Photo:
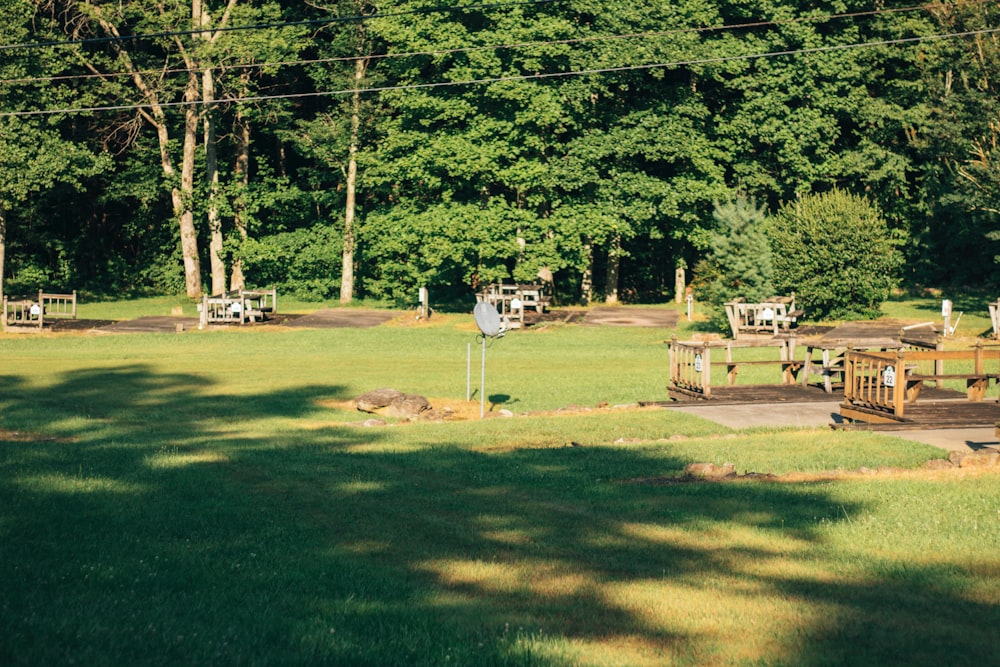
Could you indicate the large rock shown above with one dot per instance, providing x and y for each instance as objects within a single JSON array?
[
  {"x": 710, "y": 470},
  {"x": 375, "y": 400},
  {"x": 407, "y": 406},
  {"x": 392, "y": 403}
]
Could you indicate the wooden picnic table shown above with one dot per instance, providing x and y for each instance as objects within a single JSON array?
[
  {"x": 861, "y": 336},
  {"x": 511, "y": 300},
  {"x": 239, "y": 306},
  {"x": 774, "y": 314},
  {"x": 830, "y": 365}
]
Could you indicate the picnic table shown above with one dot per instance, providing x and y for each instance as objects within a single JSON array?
[
  {"x": 825, "y": 356},
  {"x": 238, "y": 306},
  {"x": 830, "y": 363},
  {"x": 511, "y": 300},
  {"x": 774, "y": 314}
]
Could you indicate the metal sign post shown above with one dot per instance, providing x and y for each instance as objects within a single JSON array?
[{"x": 488, "y": 321}]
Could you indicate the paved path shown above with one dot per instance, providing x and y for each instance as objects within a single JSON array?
[
  {"x": 823, "y": 414},
  {"x": 632, "y": 317},
  {"x": 343, "y": 317}
]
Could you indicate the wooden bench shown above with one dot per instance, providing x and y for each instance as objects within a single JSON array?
[{"x": 976, "y": 384}]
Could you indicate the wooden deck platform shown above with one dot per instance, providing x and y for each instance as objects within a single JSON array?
[
  {"x": 936, "y": 409},
  {"x": 758, "y": 393},
  {"x": 928, "y": 415}
]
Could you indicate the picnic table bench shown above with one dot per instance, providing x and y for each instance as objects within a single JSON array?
[
  {"x": 238, "y": 306},
  {"x": 774, "y": 314},
  {"x": 511, "y": 300},
  {"x": 831, "y": 348}
]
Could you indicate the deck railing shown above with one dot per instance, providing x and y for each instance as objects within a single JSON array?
[
  {"x": 881, "y": 384},
  {"x": 691, "y": 363},
  {"x": 690, "y": 367},
  {"x": 30, "y": 312}
]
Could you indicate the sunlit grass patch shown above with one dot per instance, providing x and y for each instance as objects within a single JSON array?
[
  {"x": 180, "y": 459},
  {"x": 77, "y": 484}
]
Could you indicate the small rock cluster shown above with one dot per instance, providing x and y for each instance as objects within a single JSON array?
[
  {"x": 709, "y": 472},
  {"x": 982, "y": 458}
]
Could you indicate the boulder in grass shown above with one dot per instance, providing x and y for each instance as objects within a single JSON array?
[
  {"x": 392, "y": 403},
  {"x": 710, "y": 470},
  {"x": 407, "y": 406},
  {"x": 373, "y": 401}
]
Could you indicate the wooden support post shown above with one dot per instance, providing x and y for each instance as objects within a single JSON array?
[
  {"x": 673, "y": 359},
  {"x": 706, "y": 369},
  {"x": 899, "y": 397}
]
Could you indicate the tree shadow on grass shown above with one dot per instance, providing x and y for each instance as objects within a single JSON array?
[{"x": 165, "y": 532}]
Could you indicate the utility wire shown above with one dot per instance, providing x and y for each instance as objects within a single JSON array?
[
  {"x": 268, "y": 26},
  {"x": 523, "y": 77},
  {"x": 470, "y": 49}
]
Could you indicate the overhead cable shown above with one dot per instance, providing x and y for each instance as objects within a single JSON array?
[{"x": 520, "y": 77}]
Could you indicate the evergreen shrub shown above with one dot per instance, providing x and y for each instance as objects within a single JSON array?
[
  {"x": 738, "y": 260},
  {"x": 836, "y": 251}
]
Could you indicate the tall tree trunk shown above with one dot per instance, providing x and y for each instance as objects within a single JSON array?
[
  {"x": 189, "y": 235},
  {"x": 3, "y": 246},
  {"x": 180, "y": 198},
  {"x": 241, "y": 171},
  {"x": 614, "y": 263},
  {"x": 212, "y": 180},
  {"x": 587, "y": 280},
  {"x": 347, "y": 259}
]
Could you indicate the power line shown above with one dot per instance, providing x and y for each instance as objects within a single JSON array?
[
  {"x": 269, "y": 26},
  {"x": 523, "y": 77},
  {"x": 470, "y": 49}
]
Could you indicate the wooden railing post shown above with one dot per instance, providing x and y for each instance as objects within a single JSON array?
[
  {"x": 850, "y": 391},
  {"x": 899, "y": 397},
  {"x": 673, "y": 359},
  {"x": 706, "y": 370}
]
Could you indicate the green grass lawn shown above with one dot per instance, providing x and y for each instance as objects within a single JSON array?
[{"x": 208, "y": 498}]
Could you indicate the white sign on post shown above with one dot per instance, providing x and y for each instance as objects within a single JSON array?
[{"x": 946, "y": 308}]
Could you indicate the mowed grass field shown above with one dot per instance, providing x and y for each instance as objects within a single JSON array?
[{"x": 212, "y": 498}]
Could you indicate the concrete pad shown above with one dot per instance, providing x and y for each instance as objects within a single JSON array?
[
  {"x": 746, "y": 415},
  {"x": 151, "y": 324},
  {"x": 343, "y": 317},
  {"x": 824, "y": 414},
  {"x": 624, "y": 316},
  {"x": 951, "y": 439}
]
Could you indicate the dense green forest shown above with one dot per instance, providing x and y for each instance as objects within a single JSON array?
[{"x": 365, "y": 149}]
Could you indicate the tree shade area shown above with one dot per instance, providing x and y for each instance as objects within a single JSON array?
[{"x": 367, "y": 149}]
